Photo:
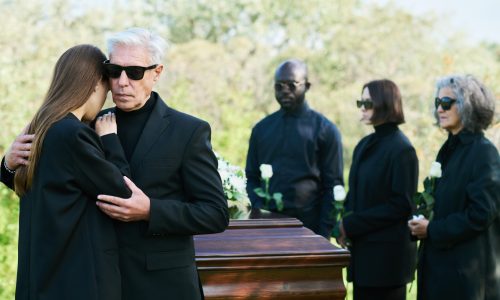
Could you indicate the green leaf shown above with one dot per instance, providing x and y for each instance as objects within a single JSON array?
[
  {"x": 278, "y": 196},
  {"x": 260, "y": 192},
  {"x": 279, "y": 202},
  {"x": 429, "y": 199},
  {"x": 418, "y": 199}
]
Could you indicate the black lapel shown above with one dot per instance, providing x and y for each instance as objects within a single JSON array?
[{"x": 157, "y": 122}]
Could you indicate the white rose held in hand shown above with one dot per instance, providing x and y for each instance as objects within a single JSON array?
[
  {"x": 339, "y": 193},
  {"x": 424, "y": 201},
  {"x": 435, "y": 170},
  {"x": 266, "y": 171},
  {"x": 338, "y": 212}
]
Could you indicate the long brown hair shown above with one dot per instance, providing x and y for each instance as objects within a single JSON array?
[{"x": 76, "y": 74}]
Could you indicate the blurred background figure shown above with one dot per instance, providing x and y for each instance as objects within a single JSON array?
[{"x": 304, "y": 149}]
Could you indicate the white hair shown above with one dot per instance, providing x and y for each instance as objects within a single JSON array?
[{"x": 152, "y": 42}]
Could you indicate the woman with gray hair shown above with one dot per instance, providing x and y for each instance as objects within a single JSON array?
[{"x": 460, "y": 246}]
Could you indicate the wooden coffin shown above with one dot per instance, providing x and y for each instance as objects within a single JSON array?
[{"x": 270, "y": 259}]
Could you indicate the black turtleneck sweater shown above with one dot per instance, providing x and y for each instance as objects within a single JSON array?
[{"x": 130, "y": 125}]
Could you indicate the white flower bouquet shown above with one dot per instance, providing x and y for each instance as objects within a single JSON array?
[{"x": 234, "y": 184}]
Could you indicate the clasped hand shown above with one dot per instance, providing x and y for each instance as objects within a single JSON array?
[
  {"x": 135, "y": 208},
  {"x": 418, "y": 227},
  {"x": 106, "y": 124}
]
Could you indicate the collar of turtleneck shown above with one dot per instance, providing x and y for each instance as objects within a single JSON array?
[{"x": 385, "y": 129}]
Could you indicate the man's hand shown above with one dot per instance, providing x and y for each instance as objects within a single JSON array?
[
  {"x": 18, "y": 153},
  {"x": 106, "y": 124},
  {"x": 135, "y": 208},
  {"x": 418, "y": 227}
]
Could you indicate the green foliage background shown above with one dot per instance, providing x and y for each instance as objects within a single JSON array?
[{"x": 221, "y": 63}]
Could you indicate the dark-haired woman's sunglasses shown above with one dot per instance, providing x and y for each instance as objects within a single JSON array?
[
  {"x": 133, "y": 72},
  {"x": 445, "y": 102},
  {"x": 368, "y": 104}
]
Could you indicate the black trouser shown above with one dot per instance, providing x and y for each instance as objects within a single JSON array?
[{"x": 380, "y": 293}]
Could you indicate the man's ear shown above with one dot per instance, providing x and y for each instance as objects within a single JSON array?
[
  {"x": 158, "y": 71},
  {"x": 308, "y": 85}
]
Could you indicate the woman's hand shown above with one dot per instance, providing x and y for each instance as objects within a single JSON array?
[
  {"x": 106, "y": 124},
  {"x": 418, "y": 227}
]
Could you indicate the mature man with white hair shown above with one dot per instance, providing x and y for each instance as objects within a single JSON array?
[{"x": 177, "y": 191}]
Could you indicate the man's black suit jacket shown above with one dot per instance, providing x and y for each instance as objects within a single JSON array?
[{"x": 174, "y": 165}]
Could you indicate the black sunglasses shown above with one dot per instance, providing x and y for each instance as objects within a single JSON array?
[
  {"x": 133, "y": 72},
  {"x": 445, "y": 102},
  {"x": 368, "y": 104},
  {"x": 291, "y": 85}
]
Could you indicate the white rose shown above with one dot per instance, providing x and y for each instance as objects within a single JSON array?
[
  {"x": 266, "y": 171},
  {"x": 435, "y": 170},
  {"x": 339, "y": 193}
]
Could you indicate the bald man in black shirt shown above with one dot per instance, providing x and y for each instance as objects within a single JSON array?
[{"x": 304, "y": 149}]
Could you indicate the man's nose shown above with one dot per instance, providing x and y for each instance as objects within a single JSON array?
[{"x": 123, "y": 79}]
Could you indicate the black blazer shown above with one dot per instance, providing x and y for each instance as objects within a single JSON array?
[
  {"x": 173, "y": 163},
  {"x": 462, "y": 249},
  {"x": 67, "y": 247},
  {"x": 382, "y": 181}
]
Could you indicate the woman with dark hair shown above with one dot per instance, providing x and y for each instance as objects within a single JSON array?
[
  {"x": 67, "y": 246},
  {"x": 460, "y": 246},
  {"x": 382, "y": 181}
]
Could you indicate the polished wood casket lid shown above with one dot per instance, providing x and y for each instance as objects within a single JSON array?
[{"x": 269, "y": 259}]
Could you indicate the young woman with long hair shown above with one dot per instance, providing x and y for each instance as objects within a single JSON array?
[{"x": 67, "y": 246}]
